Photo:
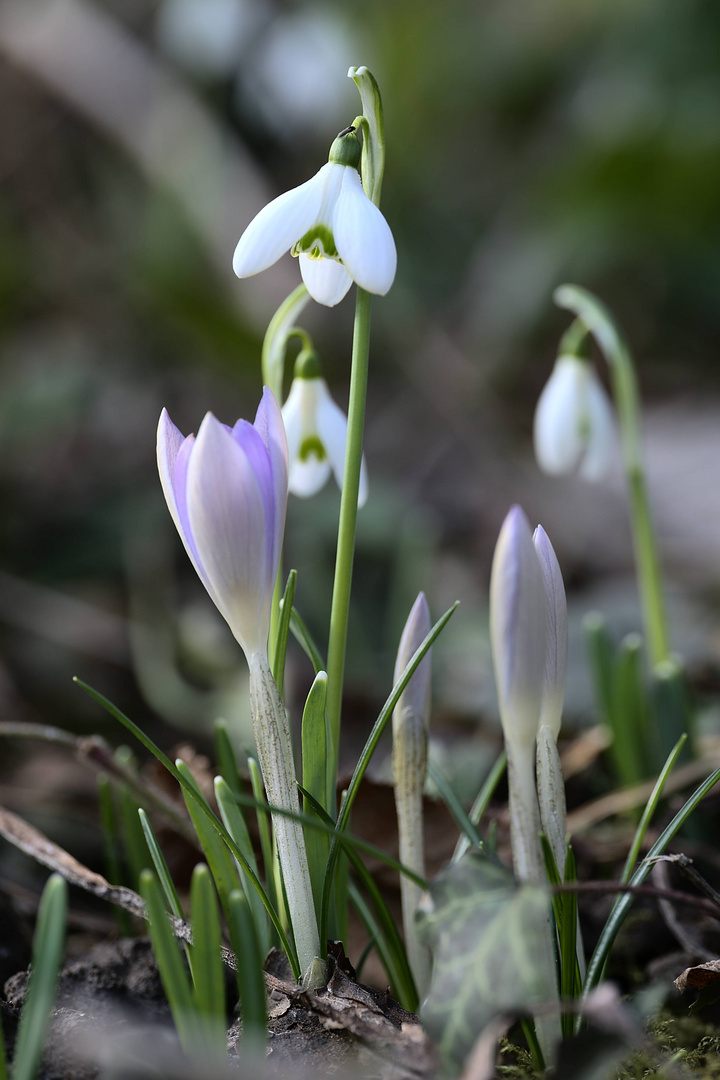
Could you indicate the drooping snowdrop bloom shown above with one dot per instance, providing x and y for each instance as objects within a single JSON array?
[
  {"x": 574, "y": 427},
  {"x": 316, "y": 431},
  {"x": 227, "y": 493},
  {"x": 329, "y": 221}
]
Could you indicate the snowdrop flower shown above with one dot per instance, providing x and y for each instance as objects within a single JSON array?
[
  {"x": 316, "y": 431},
  {"x": 574, "y": 427},
  {"x": 227, "y": 493},
  {"x": 329, "y": 221}
]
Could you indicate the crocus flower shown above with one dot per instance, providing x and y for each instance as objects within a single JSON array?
[
  {"x": 574, "y": 428},
  {"x": 316, "y": 431},
  {"x": 329, "y": 221},
  {"x": 227, "y": 493}
]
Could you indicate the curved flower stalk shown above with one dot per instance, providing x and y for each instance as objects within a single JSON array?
[
  {"x": 411, "y": 718},
  {"x": 227, "y": 493},
  {"x": 329, "y": 221},
  {"x": 316, "y": 431},
  {"x": 574, "y": 428}
]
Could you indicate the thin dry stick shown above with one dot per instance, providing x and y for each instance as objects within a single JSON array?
[
  {"x": 31, "y": 841},
  {"x": 673, "y": 895}
]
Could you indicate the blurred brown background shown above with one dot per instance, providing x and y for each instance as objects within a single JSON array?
[{"x": 528, "y": 144}]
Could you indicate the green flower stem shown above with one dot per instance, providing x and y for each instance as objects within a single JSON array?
[
  {"x": 348, "y": 520},
  {"x": 598, "y": 320},
  {"x": 272, "y": 736}
]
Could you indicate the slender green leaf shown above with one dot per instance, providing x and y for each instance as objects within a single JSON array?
[
  {"x": 134, "y": 846},
  {"x": 367, "y": 753},
  {"x": 388, "y": 940},
  {"x": 216, "y": 851},
  {"x": 263, "y": 824},
  {"x": 173, "y": 975},
  {"x": 283, "y": 629},
  {"x": 251, "y": 982},
  {"x": 619, "y": 912},
  {"x": 161, "y": 867},
  {"x": 207, "y": 965},
  {"x": 202, "y": 805},
  {"x": 482, "y": 802},
  {"x": 235, "y": 825},
  {"x": 629, "y": 713},
  {"x": 48, "y": 942},
  {"x": 225, "y": 757},
  {"x": 672, "y": 708},
  {"x": 112, "y": 848},
  {"x": 454, "y": 805},
  {"x": 315, "y": 752},
  {"x": 304, "y": 638},
  {"x": 650, "y": 808}
]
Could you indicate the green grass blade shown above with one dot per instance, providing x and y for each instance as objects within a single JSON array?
[
  {"x": 629, "y": 713},
  {"x": 48, "y": 942},
  {"x": 216, "y": 851},
  {"x": 570, "y": 982},
  {"x": 650, "y": 808},
  {"x": 617, "y": 915},
  {"x": 225, "y": 757},
  {"x": 112, "y": 848},
  {"x": 386, "y": 935},
  {"x": 207, "y": 965},
  {"x": 263, "y": 824},
  {"x": 279, "y": 651},
  {"x": 161, "y": 867},
  {"x": 482, "y": 802},
  {"x": 204, "y": 809},
  {"x": 251, "y": 982},
  {"x": 173, "y": 975},
  {"x": 367, "y": 753},
  {"x": 381, "y": 946},
  {"x": 672, "y": 707},
  {"x": 315, "y": 754},
  {"x": 304, "y": 638},
  {"x": 235, "y": 824},
  {"x": 454, "y": 805}
]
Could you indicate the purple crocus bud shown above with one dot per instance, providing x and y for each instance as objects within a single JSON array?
[
  {"x": 227, "y": 493},
  {"x": 556, "y": 636}
]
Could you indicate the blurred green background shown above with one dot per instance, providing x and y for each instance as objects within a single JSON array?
[{"x": 528, "y": 144}]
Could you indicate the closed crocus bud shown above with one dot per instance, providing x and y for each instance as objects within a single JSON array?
[
  {"x": 331, "y": 224},
  {"x": 410, "y": 736},
  {"x": 517, "y": 629},
  {"x": 227, "y": 493},
  {"x": 556, "y": 636},
  {"x": 517, "y": 635},
  {"x": 574, "y": 428},
  {"x": 316, "y": 431}
]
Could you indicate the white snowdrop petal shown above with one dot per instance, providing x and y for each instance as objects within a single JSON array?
[
  {"x": 278, "y": 226},
  {"x": 601, "y": 443},
  {"x": 363, "y": 237},
  {"x": 557, "y": 427},
  {"x": 332, "y": 428},
  {"x": 292, "y": 418},
  {"x": 327, "y": 280},
  {"x": 309, "y": 476}
]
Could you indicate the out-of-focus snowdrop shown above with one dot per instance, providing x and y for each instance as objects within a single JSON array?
[
  {"x": 574, "y": 429},
  {"x": 207, "y": 36},
  {"x": 316, "y": 430}
]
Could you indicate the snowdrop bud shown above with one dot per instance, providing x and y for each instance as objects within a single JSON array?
[
  {"x": 410, "y": 735},
  {"x": 316, "y": 430},
  {"x": 556, "y": 633},
  {"x": 517, "y": 629},
  {"x": 574, "y": 427}
]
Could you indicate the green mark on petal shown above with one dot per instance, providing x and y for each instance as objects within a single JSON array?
[
  {"x": 312, "y": 447},
  {"x": 318, "y": 242}
]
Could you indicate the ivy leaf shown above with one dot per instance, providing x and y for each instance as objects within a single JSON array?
[{"x": 487, "y": 935}]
